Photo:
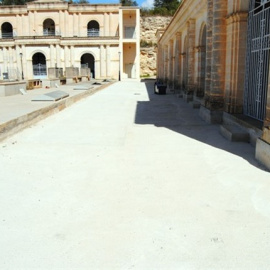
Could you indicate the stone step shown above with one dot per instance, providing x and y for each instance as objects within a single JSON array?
[{"x": 234, "y": 133}]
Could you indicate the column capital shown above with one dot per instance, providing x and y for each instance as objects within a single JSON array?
[{"x": 237, "y": 17}]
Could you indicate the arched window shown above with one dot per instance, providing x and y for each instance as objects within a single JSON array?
[
  {"x": 93, "y": 29},
  {"x": 7, "y": 30},
  {"x": 39, "y": 65},
  {"x": 48, "y": 27}
]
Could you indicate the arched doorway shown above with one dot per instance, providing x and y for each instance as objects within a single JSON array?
[
  {"x": 202, "y": 62},
  {"x": 48, "y": 27},
  {"x": 93, "y": 29},
  {"x": 39, "y": 65},
  {"x": 7, "y": 30},
  {"x": 88, "y": 60}
]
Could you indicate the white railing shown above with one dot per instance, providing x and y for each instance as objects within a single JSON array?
[{"x": 93, "y": 32}]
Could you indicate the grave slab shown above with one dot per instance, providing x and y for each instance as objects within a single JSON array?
[{"x": 52, "y": 96}]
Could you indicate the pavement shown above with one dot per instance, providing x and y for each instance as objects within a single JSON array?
[
  {"x": 126, "y": 179},
  {"x": 19, "y": 111}
]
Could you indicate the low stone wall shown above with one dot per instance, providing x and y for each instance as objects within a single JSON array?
[{"x": 11, "y": 88}]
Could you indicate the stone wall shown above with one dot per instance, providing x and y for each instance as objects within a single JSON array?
[{"x": 149, "y": 26}]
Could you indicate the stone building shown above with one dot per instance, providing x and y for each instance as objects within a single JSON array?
[
  {"x": 216, "y": 53},
  {"x": 54, "y": 34}
]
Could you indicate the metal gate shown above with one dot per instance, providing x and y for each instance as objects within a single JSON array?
[
  {"x": 39, "y": 70},
  {"x": 257, "y": 61}
]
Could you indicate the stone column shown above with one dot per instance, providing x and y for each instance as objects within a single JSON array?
[
  {"x": 102, "y": 61},
  {"x": 209, "y": 38},
  {"x": 67, "y": 64},
  {"x": 51, "y": 56},
  {"x": 110, "y": 25},
  {"x": 235, "y": 59},
  {"x": 58, "y": 56},
  {"x": 79, "y": 23},
  {"x": 106, "y": 25},
  {"x": 191, "y": 56},
  {"x": 170, "y": 64},
  {"x": 165, "y": 61},
  {"x": 5, "y": 56},
  {"x": 27, "y": 73},
  {"x": 213, "y": 107},
  {"x": 72, "y": 62},
  {"x": 108, "y": 61},
  {"x": 75, "y": 24},
  {"x": 179, "y": 58},
  {"x": 216, "y": 101}
]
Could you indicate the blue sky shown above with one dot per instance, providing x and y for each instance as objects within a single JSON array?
[{"x": 143, "y": 3}]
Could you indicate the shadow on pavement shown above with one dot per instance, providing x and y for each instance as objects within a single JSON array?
[{"x": 174, "y": 113}]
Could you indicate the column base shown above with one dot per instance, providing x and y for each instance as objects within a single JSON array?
[
  {"x": 188, "y": 97},
  {"x": 210, "y": 117},
  {"x": 262, "y": 153}
]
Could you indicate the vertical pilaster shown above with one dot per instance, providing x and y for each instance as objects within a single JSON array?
[
  {"x": 51, "y": 55},
  {"x": 5, "y": 56},
  {"x": 72, "y": 62},
  {"x": 235, "y": 61},
  {"x": 191, "y": 56},
  {"x": 179, "y": 58},
  {"x": 102, "y": 61},
  {"x": 216, "y": 101},
  {"x": 25, "y": 66},
  {"x": 209, "y": 38},
  {"x": 75, "y": 24},
  {"x": 170, "y": 59},
  {"x": 67, "y": 57},
  {"x": 58, "y": 55},
  {"x": 79, "y": 23},
  {"x": 110, "y": 24},
  {"x": 108, "y": 61}
]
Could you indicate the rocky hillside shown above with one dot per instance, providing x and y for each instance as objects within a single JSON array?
[{"x": 149, "y": 26}]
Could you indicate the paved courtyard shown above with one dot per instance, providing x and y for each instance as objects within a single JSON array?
[{"x": 125, "y": 179}]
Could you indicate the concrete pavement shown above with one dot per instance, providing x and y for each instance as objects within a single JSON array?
[
  {"x": 126, "y": 179},
  {"x": 19, "y": 111}
]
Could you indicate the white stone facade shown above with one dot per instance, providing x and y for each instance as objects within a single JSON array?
[{"x": 47, "y": 34}]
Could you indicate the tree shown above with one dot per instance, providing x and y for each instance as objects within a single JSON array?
[
  {"x": 166, "y": 7},
  {"x": 14, "y": 2},
  {"x": 128, "y": 3}
]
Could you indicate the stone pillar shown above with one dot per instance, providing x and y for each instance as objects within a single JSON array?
[
  {"x": 27, "y": 73},
  {"x": 102, "y": 61},
  {"x": 79, "y": 23},
  {"x": 75, "y": 24},
  {"x": 165, "y": 61},
  {"x": 110, "y": 25},
  {"x": 58, "y": 56},
  {"x": 51, "y": 56},
  {"x": 191, "y": 56},
  {"x": 216, "y": 101},
  {"x": 170, "y": 64},
  {"x": 235, "y": 59},
  {"x": 108, "y": 61},
  {"x": 179, "y": 58},
  {"x": 67, "y": 63},
  {"x": 212, "y": 110},
  {"x": 5, "y": 58},
  {"x": 209, "y": 38},
  {"x": 72, "y": 62}
]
